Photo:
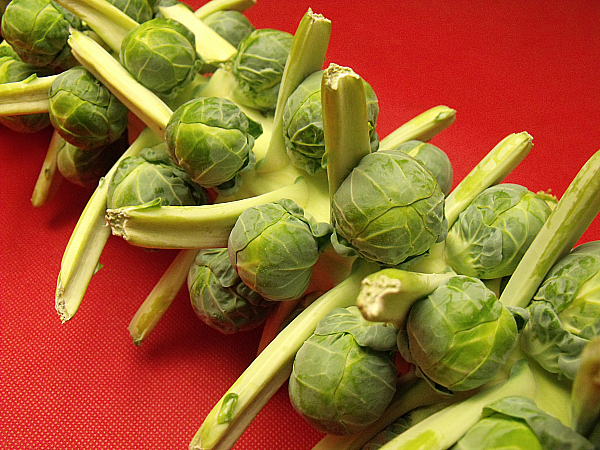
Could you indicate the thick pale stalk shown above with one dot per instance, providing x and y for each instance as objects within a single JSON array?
[
  {"x": 85, "y": 246},
  {"x": 25, "y": 97},
  {"x": 107, "y": 21},
  {"x": 585, "y": 398},
  {"x": 565, "y": 225},
  {"x": 139, "y": 100},
  {"x": 345, "y": 123},
  {"x": 161, "y": 296},
  {"x": 47, "y": 183},
  {"x": 307, "y": 55},
  {"x": 272, "y": 367},
  {"x": 223, "y": 5},
  {"x": 422, "y": 128},
  {"x": 207, "y": 226}
]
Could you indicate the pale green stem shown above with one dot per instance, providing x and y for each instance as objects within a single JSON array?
[
  {"x": 161, "y": 296},
  {"x": 565, "y": 225},
  {"x": 223, "y": 5},
  {"x": 585, "y": 398},
  {"x": 47, "y": 183},
  {"x": 272, "y": 367},
  {"x": 27, "y": 96},
  {"x": 307, "y": 55},
  {"x": 421, "y": 128},
  {"x": 139, "y": 100},
  {"x": 81, "y": 257},
  {"x": 345, "y": 123}
]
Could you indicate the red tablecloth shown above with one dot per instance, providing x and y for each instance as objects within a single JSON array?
[{"x": 506, "y": 67}]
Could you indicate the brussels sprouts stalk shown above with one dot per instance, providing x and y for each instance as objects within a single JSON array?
[
  {"x": 161, "y": 296},
  {"x": 422, "y": 128},
  {"x": 223, "y": 5},
  {"x": 47, "y": 183},
  {"x": 567, "y": 222},
  {"x": 272, "y": 366},
  {"x": 27, "y": 96},
  {"x": 81, "y": 256},
  {"x": 307, "y": 55},
  {"x": 585, "y": 396}
]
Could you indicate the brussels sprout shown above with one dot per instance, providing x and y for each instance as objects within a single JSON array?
[
  {"x": 343, "y": 376},
  {"x": 460, "y": 335},
  {"x": 212, "y": 140},
  {"x": 434, "y": 159},
  {"x": 565, "y": 311},
  {"x": 220, "y": 298},
  {"x": 83, "y": 111},
  {"x": 38, "y": 31},
  {"x": 161, "y": 55},
  {"x": 233, "y": 26},
  {"x": 86, "y": 167},
  {"x": 492, "y": 234},
  {"x": 274, "y": 247},
  {"x": 303, "y": 123},
  {"x": 518, "y": 423},
  {"x": 389, "y": 209},
  {"x": 151, "y": 175},
  {"x": 258, "y": 68},
  {"x": 138, "y": 10}
]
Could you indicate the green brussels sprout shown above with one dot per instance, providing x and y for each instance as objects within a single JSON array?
[
  {"x": 273, "y": 247},
  {"x": 83, "y": 111},
  {"x": 565, "y": 311},
  {"x": 220, "y": 298},
  {"x": 390, "y": 209},
  {"x": 86, "y": 167},
  {"x": 434, "y": 159},
  {"x": 212, "y": 140},
  {"x": 459, "y": 336},
  {"x": 149, "y": 176},
  {"x": 343, "y": 376},
  {"x": 161, "y": 55},
  {"x": 518, "y": 423},
  {"x": 493, "y": 233},
  {"x": 303, "y": 123},
  {"x": 258, "y": 68},
  {"x": 38, "y": 31},
  {"x": 138, "y": 10},
  {"x": 233, "y": 26}
]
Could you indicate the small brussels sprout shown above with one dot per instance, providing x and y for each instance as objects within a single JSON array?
[
  {"x": 274, "y": 246},
  {"x": 459, "y": 336},
  {"x": 83, "y": 111},
  {"x": 138, "y": 10},
  {"x": 220, "y": 298},
  {"x": 161, "y": 55},
  {"x": 493, "y": 233},
  {"x": 233, "y": 26},
  {"x": 38, "y": 31},
  {"x": 434, "y": 159},
  {"x": 258, "y": 67},
  {"x": 303, "y": 123},
  {"x": 212, "y": 140},
  {"x": 151, "y": 175},
  {"x": 565, "y": 311},
  {"x": 390, "y": 209},
  {"x": 86, "y": 167},
  {"x": 343, "y": 376}
]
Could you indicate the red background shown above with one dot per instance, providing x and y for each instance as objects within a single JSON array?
[{"x": 505, "y": 66}]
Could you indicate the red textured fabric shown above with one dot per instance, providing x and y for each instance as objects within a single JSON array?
[{"x": 510, "y": 66}]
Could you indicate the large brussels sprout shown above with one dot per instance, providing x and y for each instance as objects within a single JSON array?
[
  {"x": 161, "y": 55},
  {"x": 493, "y": 233},
  {"x": 38, "y": 30},
  {"x": 274, "y": 247},
  {"x": 258, "y": 67},
  {"x": 459, "y": 336},
  {"x": 303, "y": 123},
  {"x": 233, "y": 26},
  {"x": 220, "y": 298},
  {"x": 343, "y": 376},
  {"x": 212, "y": 140},
  {"x": 565, "y": 311},
  {"x": 390, "y": 209},
  {"x": 434, "y": 159},
  {"x": 149, "y": 176},
  {"x": 83, "y": 111}
]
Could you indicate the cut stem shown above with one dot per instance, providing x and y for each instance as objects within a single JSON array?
[
  {"x": 47, "y": 184},
  {"x": 223, "y": 5},
  {"x": 26, "y": 97}
]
